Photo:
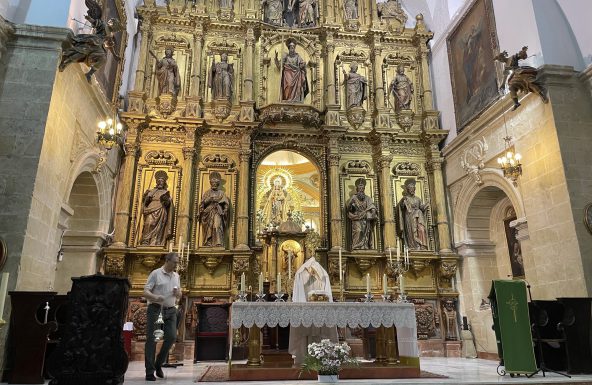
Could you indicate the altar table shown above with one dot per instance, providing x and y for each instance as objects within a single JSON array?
[{"x": 381, "y": 315}]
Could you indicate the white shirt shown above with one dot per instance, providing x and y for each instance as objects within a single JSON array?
[{"x": 162, "y": 283}]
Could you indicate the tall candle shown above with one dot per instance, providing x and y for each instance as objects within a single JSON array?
[
  {"x": 368, "y": 283},
  {"x": 182, "y": 247},
  {"x": 340, "y": 267},
  {"x": 384, "y": 283},
  {"x": 242, "y": 285},
  {"x": 260, "y": 282},
  {"x": 398, "y": 250},
  {"x": 3, "y": 288},
  {"x": 278, "y": 282},
  {"x": 289, "y": 265},
  {"x": 401, "y": 283},
  {"x": 170, "y": 246},
  {"x": 180, "y": 243},
  {"x": 390, "y": 255}
]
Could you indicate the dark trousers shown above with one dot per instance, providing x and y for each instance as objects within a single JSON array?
[{"x": 170, "y": 334}]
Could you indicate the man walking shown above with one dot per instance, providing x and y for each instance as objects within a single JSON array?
[{"x": 162, "y": 292}]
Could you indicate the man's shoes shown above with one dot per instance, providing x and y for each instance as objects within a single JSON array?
[
  {"x": 150, "y": 377},
  {"x": 159, "y": 372}
]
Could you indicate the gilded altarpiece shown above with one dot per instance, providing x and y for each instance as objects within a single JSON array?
[{"x": 244, "y": 92}]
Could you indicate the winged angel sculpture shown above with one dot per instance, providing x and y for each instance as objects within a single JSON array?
[{"x": 91, "y": 49}]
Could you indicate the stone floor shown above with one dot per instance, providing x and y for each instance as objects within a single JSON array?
[{"x": 459, "y": 371}]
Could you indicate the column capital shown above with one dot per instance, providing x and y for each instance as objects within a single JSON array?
[
  {"x": 188, "y": 153},
  {"x": 383, "y": 161},
  {"x": 434, "y": 164},
  {"x": 334, "y": 160},
  {"x": 131, "y": 150}
]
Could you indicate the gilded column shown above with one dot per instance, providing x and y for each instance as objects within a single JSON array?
[
  {"x": 422, "y": 35},
  {"x": 254, "y": 346},
  {"x": 196, "y": 69},
  {"x": 391, "y": 346},
  {"x": 335, "y": 214},
  {"x": 380, "y": 345},
  {"x": 248, "y": 67},
  {"x": 183, "y": 213},
  {"x": 382, "y": 161},
  {"x": 435, "y": 167},
  {"x": 126, "y": 186},
  {"x": 378, "y": 79},
  {"x": 242, "y": 209},
  {"x": 141, "y": 69},
  {"x": 383, "y": 165},
  {"x": 330, "y": 71},
  {"x": 193, "y": 108}
]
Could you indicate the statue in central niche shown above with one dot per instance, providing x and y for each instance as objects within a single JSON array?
[
  {"x": 221, "y": 78},
  {"x": 278, "y": 204},
  {"x": 294, "y": 84}
]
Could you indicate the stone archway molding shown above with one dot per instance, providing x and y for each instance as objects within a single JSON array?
[{"x": 491, "y": 178}]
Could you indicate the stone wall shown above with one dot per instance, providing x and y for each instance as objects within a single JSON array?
[
  {"x": 572, "y": 114},
  {"x": 548, "y": 198},
  {"x": 47, "y": 139}
]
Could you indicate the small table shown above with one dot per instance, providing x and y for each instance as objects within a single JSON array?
[{"x": 382, "y": 315}]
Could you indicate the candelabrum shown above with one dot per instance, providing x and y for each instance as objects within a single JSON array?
[
  {"x": 242, "y": 296},
  {"x": 279, "y": 296},
  {"x": 260, "y": 297},
  {"x": 290, "y": 285},
  {"x": 396, "y": 269}
]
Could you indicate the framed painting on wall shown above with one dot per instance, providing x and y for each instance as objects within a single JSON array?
[
  {"x": 472, "y": 44},
  {"x": 514, "y": 249}
]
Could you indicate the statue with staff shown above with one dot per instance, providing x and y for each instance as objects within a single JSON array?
[
  {"x": 167, "y": 73},
  {"x": 157, "y": 211}
]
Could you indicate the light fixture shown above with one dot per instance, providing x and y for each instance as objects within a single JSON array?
[
  {"x": 110, "y": 131},
  {"x": 510, "y": 161}
]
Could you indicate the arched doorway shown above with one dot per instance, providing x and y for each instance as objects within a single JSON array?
[
  {"x": 487, "y": 239},
  {"x": 81, "y": 236}
]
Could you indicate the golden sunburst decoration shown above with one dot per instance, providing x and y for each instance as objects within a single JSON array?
[{"x": 266, "y": 184}]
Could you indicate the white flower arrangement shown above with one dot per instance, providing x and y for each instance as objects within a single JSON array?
[{"x": 327, "y": 357}]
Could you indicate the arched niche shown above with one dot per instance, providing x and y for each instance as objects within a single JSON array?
[{"x": 288, "y": 187}]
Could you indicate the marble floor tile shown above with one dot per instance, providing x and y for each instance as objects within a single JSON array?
[{"x": 459, "y": 371}]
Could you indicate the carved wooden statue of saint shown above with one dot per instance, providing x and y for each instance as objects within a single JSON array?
[
  {"x": 294, "y": 84},
  {"x": 402, "y": 89},
  {"x": 362, "y": 213},
  {"x": 355, "y": 85},
  {"x": 167, "y": 74},
  {"x": 450, "y": 323},
  {"x": 351, "y": 9},
  {"x": 412, "y": 218},
  {"x": 221, "y": 78},
  {"x": 213, "y": 213},
  {"x": 273, "y": 11},
  {"x": 157, "y": 210}
]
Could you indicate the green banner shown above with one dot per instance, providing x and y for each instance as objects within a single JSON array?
[{"x": 512, "y": 326}]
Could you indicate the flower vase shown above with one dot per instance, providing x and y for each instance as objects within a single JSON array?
[{"x": 328, "y": 378}]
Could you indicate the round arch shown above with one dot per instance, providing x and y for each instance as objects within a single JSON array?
[
  {"x": 316, "y": 159},
  {"x": 490, "y": 178}
]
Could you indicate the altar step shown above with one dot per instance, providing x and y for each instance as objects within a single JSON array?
[{"x": 275, "y": 372}]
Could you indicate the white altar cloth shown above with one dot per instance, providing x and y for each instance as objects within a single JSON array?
[{"x": 340, "y": 314}]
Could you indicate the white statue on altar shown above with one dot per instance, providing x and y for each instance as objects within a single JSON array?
[{"x": 310, "y": 280}]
